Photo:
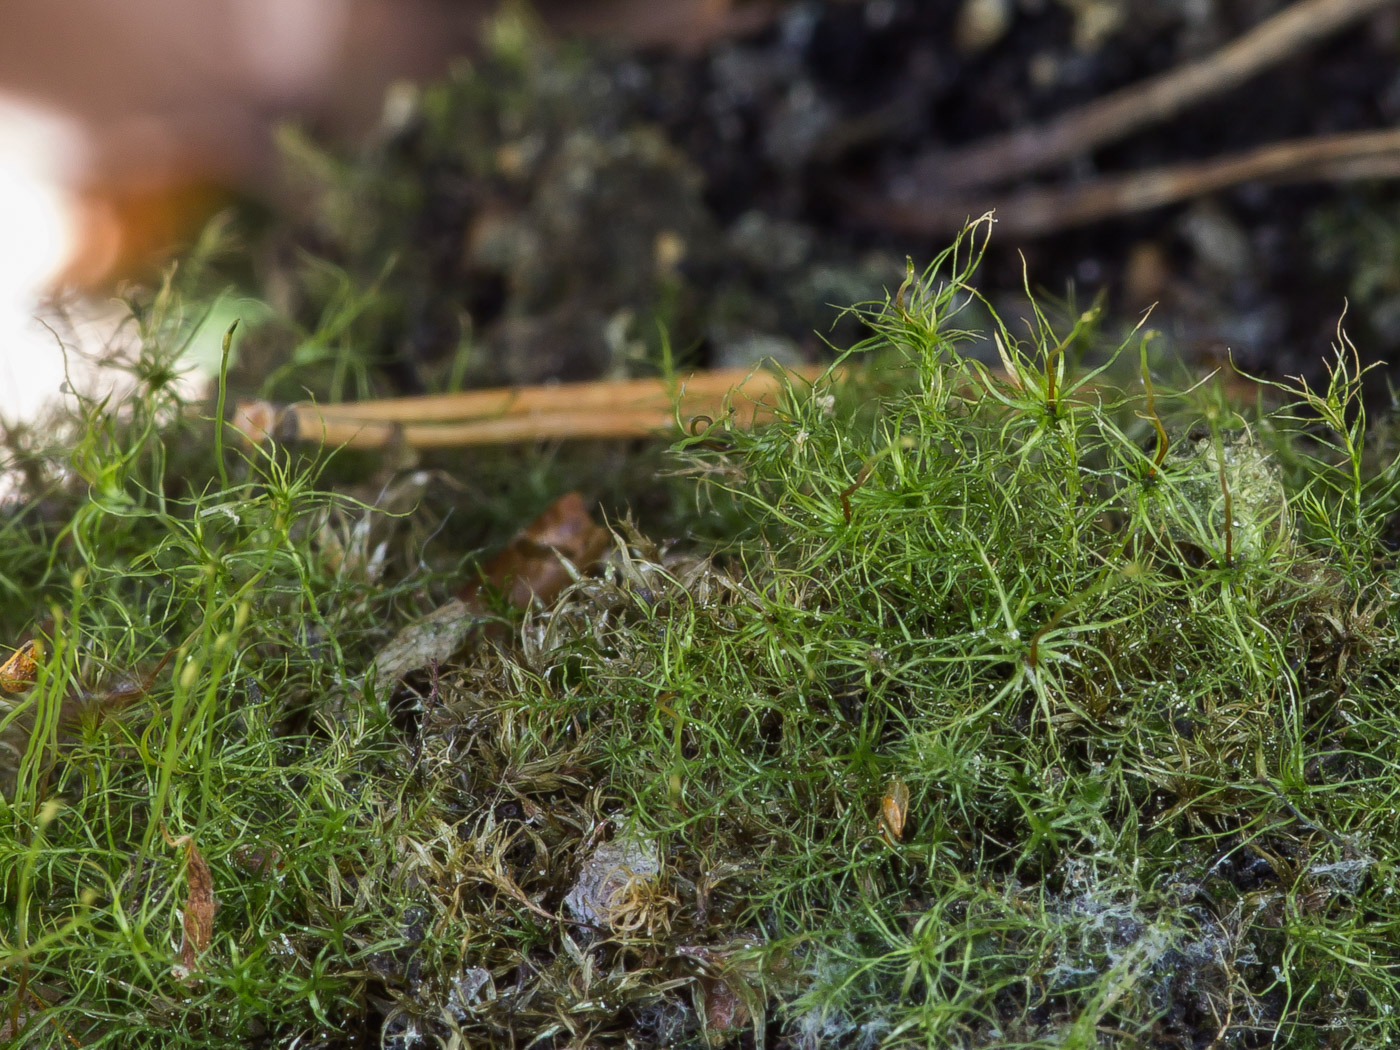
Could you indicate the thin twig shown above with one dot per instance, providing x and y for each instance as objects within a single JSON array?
[
  {"x": 1007, "y": 157},
  {"x": 1040, "y": 211},
  {"x": 628, "y": 408}
]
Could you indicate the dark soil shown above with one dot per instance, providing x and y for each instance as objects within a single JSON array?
[
  {"x": 1260, "y": 271},
  {"x": 558, "y": 210}
]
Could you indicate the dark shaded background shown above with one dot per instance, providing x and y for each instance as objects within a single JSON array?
[{"x": 728, "y": 141}]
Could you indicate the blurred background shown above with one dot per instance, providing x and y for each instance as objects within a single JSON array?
[{"x": 436, "y": 193}]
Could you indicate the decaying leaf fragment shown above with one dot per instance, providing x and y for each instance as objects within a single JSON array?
[
  {"x": 726, "y": 1011},
  {"x": 619, "y": 887},
  {"x": 534, "y": 565},
  {"x": 433, "y": 637},
  {"x": 538, "y": 564},
  {"x": 18, "y": 672},
  {"x": 729, "y": 987},
  {"x": 200, "y": 902},
  {"x": 90, "y": 706}
]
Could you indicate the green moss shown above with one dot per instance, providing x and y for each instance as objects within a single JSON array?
[
  {"x": 985, "y": 716},
  {"x": 1123, "y": 713}
]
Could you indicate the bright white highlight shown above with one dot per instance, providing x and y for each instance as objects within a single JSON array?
[
  {"x": 36, "y": 220},
  {"x": 40, "y": 157}
]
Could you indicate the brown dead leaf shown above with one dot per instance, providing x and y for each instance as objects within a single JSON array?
[
  {"x": 729, "y": 986},
  {"x": 533, "y": 564},
  {"x": 120, "y": 691},
  {"x": 725, "y": 1009},
  {"x": 200, "y": 902}
]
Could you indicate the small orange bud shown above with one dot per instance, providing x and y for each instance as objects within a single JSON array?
[
  {"x": 894, "y": 808},
  {"x": 18, "y": 672}
]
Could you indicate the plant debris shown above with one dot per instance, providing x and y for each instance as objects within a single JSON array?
[{"x": 200, "y": 905}]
